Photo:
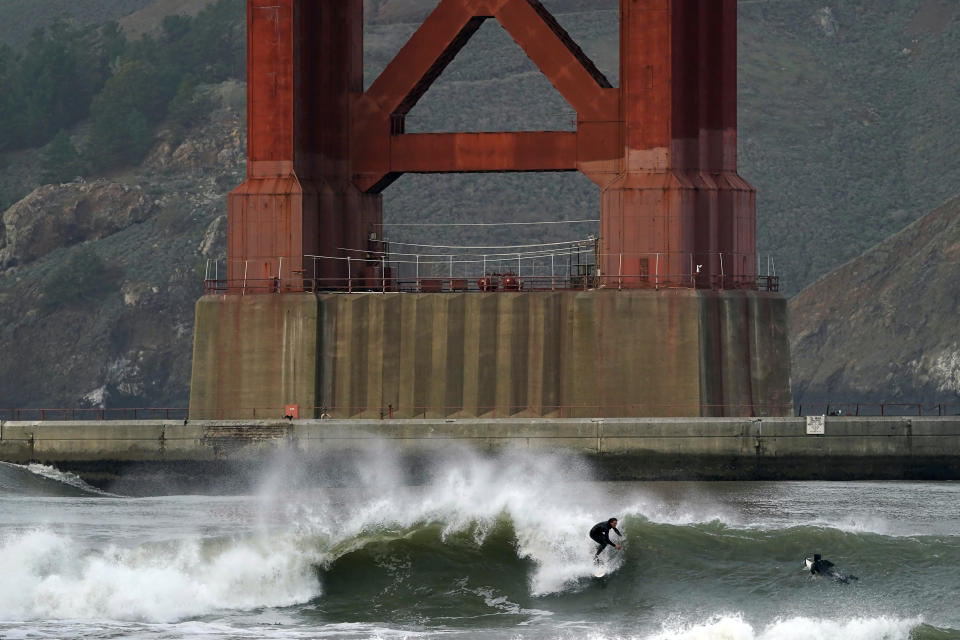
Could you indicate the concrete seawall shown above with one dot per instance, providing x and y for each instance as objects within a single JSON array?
[{"x": 624, "y": 449}]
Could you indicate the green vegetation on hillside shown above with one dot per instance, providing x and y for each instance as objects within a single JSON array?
[
  {"x": 49, "y": 86},
  {"x": 69, "y": 73}
]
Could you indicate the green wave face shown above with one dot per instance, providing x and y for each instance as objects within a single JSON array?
[{"x": 419, "y": 576}]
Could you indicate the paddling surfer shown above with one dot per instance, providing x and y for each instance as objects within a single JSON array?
[
  {"x": 817, "y": 566},
  {"x": 600, "y": 533}
]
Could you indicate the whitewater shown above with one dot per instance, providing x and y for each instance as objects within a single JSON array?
[{"x": 471, "y": 545}]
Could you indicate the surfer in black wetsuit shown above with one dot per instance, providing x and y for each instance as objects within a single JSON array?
[
  {"x": 600, "y": 533},
  {"x": 820, "y": 567}
]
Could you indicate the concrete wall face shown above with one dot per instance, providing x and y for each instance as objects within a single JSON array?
[
  {"x": 254, "y": 354},
  {"x": 598, "y": 353}
]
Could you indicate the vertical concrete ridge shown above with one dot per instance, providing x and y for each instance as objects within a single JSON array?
[
  {"x": 326, "y": 359},
  {"x": 407, "y": 321},
  {"x": 373, "y": 359},
  {"x": 711, "y": 386},
  {"x": 735, "y": 355},
  {"x": 535, "y": 355},
  {"x": 392, "y": 341},
  {"x": 770, "y": 350},
  {"x": 487, "y": 310},
  {"x": 453, "y": 397},
  {"x": 551, "y": 368},
  {"x": 437, "y": 313}
]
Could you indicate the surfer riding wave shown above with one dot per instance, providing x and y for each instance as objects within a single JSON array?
[{"x": 600, "y": 533}]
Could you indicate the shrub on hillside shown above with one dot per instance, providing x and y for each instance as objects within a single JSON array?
[
  {"x": 83, "y": 277},
  {"x": 188, "y": 106},
  {"x": 61, "y": 161}
]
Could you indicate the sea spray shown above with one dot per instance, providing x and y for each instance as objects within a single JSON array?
[
  {"x": 549, "y": 500},
  {"x": 49, "y": 575}
]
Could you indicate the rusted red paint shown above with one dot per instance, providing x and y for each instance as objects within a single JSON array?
[
  {"x": 305, "y": 61},
  {"x": 661, "y": 147}
]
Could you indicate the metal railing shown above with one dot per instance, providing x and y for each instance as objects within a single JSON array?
[
  {"x": 877, "y": 409},
  {"x": 575, "y": 267},
  {"x": 584, "y": 411},
  {"x": 99, "y": 414},
  {"x": 491, "y": 282}
]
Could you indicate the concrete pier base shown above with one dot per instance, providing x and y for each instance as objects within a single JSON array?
[
  {"x": 565, "y": 354},
  {"x": 149, "y": 457}
]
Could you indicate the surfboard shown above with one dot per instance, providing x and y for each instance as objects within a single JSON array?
[{"x": 599, "y": 572}]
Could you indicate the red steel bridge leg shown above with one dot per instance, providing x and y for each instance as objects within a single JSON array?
[
  {"x": 305, "y": 60},
  {"x": 678, "y": 206}
]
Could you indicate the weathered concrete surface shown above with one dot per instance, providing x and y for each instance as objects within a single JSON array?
[
  {"x": 254, "y": 352},
  {"x": 675, "y": 352},
  {"x": 636, "y": 449}
]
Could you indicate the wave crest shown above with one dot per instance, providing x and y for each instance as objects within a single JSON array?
[{"x": 50, "y": 576}]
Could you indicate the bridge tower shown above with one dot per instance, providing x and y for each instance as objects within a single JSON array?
[{"x": 673, "y": 319}]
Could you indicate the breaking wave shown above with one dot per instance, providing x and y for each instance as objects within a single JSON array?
[{"x": 43, "y": 480}]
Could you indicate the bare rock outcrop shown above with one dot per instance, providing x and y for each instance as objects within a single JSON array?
[{"x": 55, "y": 216}]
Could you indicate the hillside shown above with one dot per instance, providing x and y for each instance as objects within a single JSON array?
[
  {"x": 883, "y": 327},
  {"x": 847, "y": 129},
  {"x": 18, "y": 18},
  {"x": 147, "y": 19}
]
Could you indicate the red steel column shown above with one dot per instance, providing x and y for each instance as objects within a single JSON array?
[
  {"x": 738, "y": 199},
  {"x": 305, "y": 58},
  {"x": 677, "y": 201}
]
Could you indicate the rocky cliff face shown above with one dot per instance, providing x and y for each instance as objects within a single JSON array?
[
  {"x": 884, "y": 326},
  {"x": 98, "y": 280},
  {"x": 56, "y": 216}
]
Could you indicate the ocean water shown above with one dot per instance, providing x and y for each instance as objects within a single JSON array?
[{"x": 478, "y": 547}]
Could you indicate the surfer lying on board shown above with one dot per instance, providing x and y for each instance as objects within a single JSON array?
[
  {"x": 600, "y": 533},
  {"x": 820, "y": 567}
]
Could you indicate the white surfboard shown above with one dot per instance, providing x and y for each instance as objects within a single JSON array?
[{"x": 599, "y": 572}]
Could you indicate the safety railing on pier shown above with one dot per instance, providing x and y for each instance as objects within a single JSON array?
[
  {"x": 96, "y": 413},
  {"x": 388, "y": 412},
  {"x": 880, "y": 409},
  {"x": 575, "y": 267}
]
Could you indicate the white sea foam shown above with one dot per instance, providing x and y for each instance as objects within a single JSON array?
[
  {"x": 734, "y": 627},
  {"x": 49, "y": 576},
  {"x": 65, "y": 477},
  {"x": 233, "y": 630}
]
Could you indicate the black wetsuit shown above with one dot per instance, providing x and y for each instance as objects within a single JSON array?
[
  {"x": 825, "y": 568},
  {"x": 600, "y": 533}
]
